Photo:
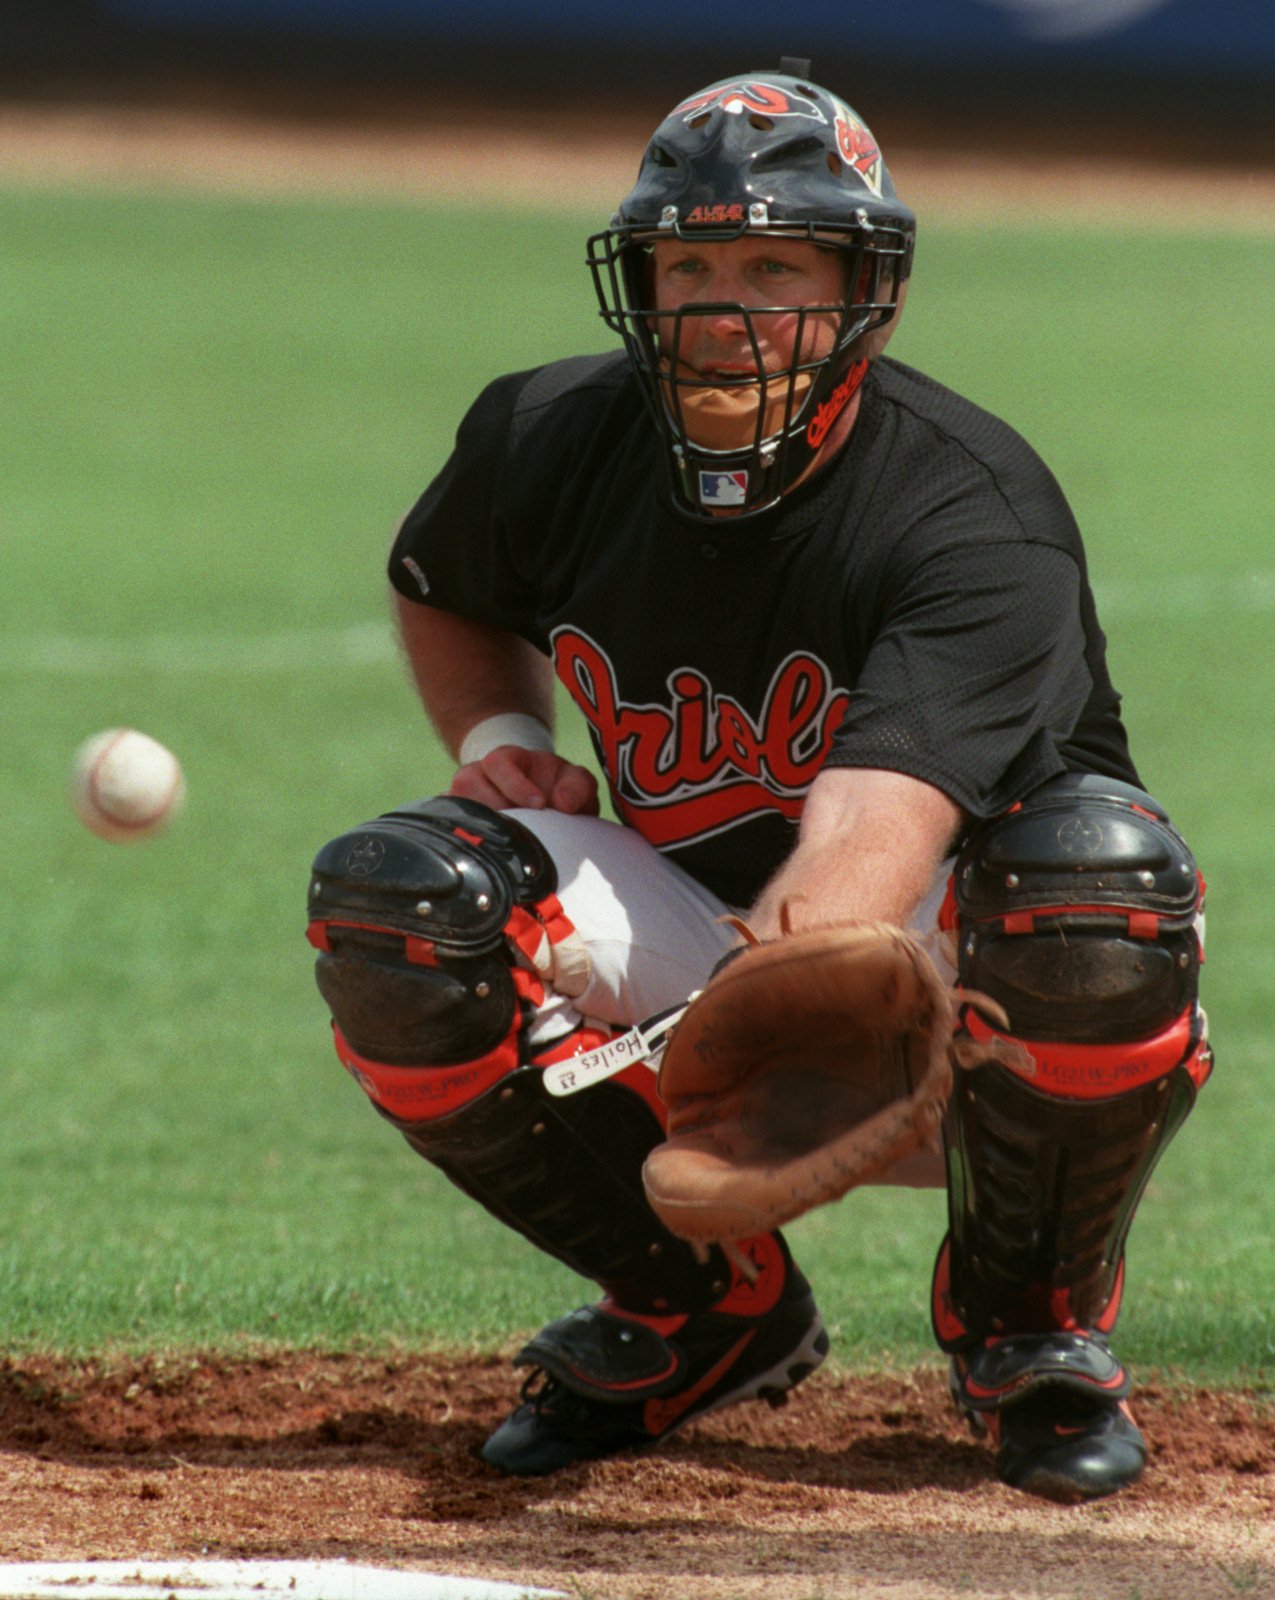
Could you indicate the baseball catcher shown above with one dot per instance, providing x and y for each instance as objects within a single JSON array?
[{"x": 830, "y": 631}]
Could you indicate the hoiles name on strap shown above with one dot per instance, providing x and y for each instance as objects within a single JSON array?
[{"x": 644, "y": 1043}]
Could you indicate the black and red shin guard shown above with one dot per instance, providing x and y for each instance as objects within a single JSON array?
[
  {"x": 439, "y": 930},
  {"x": 1080, "y": 913}
]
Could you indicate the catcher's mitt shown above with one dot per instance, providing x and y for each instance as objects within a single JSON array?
[{"x": 804, "y": 1068}]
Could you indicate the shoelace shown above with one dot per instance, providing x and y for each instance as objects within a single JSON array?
[
  {"x": 572, "y": 1414},
  {"x": 534, "y": 1397}
]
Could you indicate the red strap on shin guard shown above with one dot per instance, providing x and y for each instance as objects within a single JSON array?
[
  {"x": 422, "y": 1094},
  {"x": 1097, "y": 1071},
  {"x": 425, "y": 1093}
]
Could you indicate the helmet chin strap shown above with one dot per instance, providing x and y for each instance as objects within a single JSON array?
[{"x": 829, "y": 411}]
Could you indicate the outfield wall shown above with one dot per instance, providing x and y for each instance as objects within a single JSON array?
[
  {"x": 1138, "y": 37},
  {"x": 1185, "y": 82}
]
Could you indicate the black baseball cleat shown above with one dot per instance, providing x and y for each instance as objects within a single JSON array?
[
  {"x": 605, "y": 1380},
  {"x": 1066, "y": 1448},
  {"x": 1055, "y": 1406}
]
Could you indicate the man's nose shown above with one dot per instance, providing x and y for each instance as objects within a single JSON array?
[{"x": 724, "y": 319}]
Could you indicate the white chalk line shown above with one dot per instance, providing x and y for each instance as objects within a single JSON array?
[
  {"x": 244, "y": 1580},
  {"x": 1186, "y": 595},
  {"x": 368, "y": 644},
  {"x": 372, "y": 644}
]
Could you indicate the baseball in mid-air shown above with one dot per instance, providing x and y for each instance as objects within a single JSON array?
[{"x": 125, "y": 785}]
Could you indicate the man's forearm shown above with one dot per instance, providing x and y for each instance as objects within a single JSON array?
[
  {"x": 466, "y": 671},
  {"x": 870, "y": 846},
  {"x": 868, "y": 880}
]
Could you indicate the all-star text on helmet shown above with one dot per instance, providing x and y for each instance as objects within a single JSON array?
[{"x": 765, "y": 154}]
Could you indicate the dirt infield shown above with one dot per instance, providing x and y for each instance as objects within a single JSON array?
[
  {"x": 863, "y": 1487},
  {"x": 584, "y": 164}
]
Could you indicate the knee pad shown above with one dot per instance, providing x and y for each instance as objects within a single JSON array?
[
  {"x": 1080, "y": 913},
  {"x": 437, "y": 927}
]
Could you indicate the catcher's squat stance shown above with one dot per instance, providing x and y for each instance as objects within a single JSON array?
[{"x": 831, "y": 630}]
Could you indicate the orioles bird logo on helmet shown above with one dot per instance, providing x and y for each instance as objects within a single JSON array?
[{"x": 763, "y": 99}]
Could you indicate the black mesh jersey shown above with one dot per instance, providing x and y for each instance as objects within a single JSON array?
[{"x": 922, "y": 605}]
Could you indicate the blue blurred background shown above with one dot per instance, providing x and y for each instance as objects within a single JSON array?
[
  {"x": 1137, "y": 36},
  {"x": 1191, "y": 79}
]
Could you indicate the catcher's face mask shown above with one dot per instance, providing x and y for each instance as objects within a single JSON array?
[
  {"x": 755, "y": 269},
  {"x": 742, "y": 328}
]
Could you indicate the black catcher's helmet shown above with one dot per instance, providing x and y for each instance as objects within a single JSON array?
[{"x": 770, "y": 154}]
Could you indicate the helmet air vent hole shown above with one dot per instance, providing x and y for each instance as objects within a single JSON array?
[
  {"x": 792, "y": 150},
  {"x": 763, "y": 124},
  {"x": 835, "y": 163},
  {"x": 698, "y": 122},
  {"x": 660, "y": 156}
]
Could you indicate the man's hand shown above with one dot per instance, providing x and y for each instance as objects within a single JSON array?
[{"x": 540, "y": 780}]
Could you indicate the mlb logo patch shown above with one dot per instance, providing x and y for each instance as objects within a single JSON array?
[{"x": 722, "y": 488}]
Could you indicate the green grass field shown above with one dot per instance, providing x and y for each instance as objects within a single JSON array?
[{"x": 215, "y": 411}]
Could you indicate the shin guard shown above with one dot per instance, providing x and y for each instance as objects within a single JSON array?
[
  {"x": 439, "y": 934},
  {"x": 1080, "y": 913}
]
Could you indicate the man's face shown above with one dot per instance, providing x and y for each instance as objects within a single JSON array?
[{"x": 752, "y": 271}]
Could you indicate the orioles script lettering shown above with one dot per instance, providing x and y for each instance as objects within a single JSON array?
[{"x": 686, "y": 768}]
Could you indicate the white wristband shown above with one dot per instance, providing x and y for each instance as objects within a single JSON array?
[{"x": 509, "y": 727}]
